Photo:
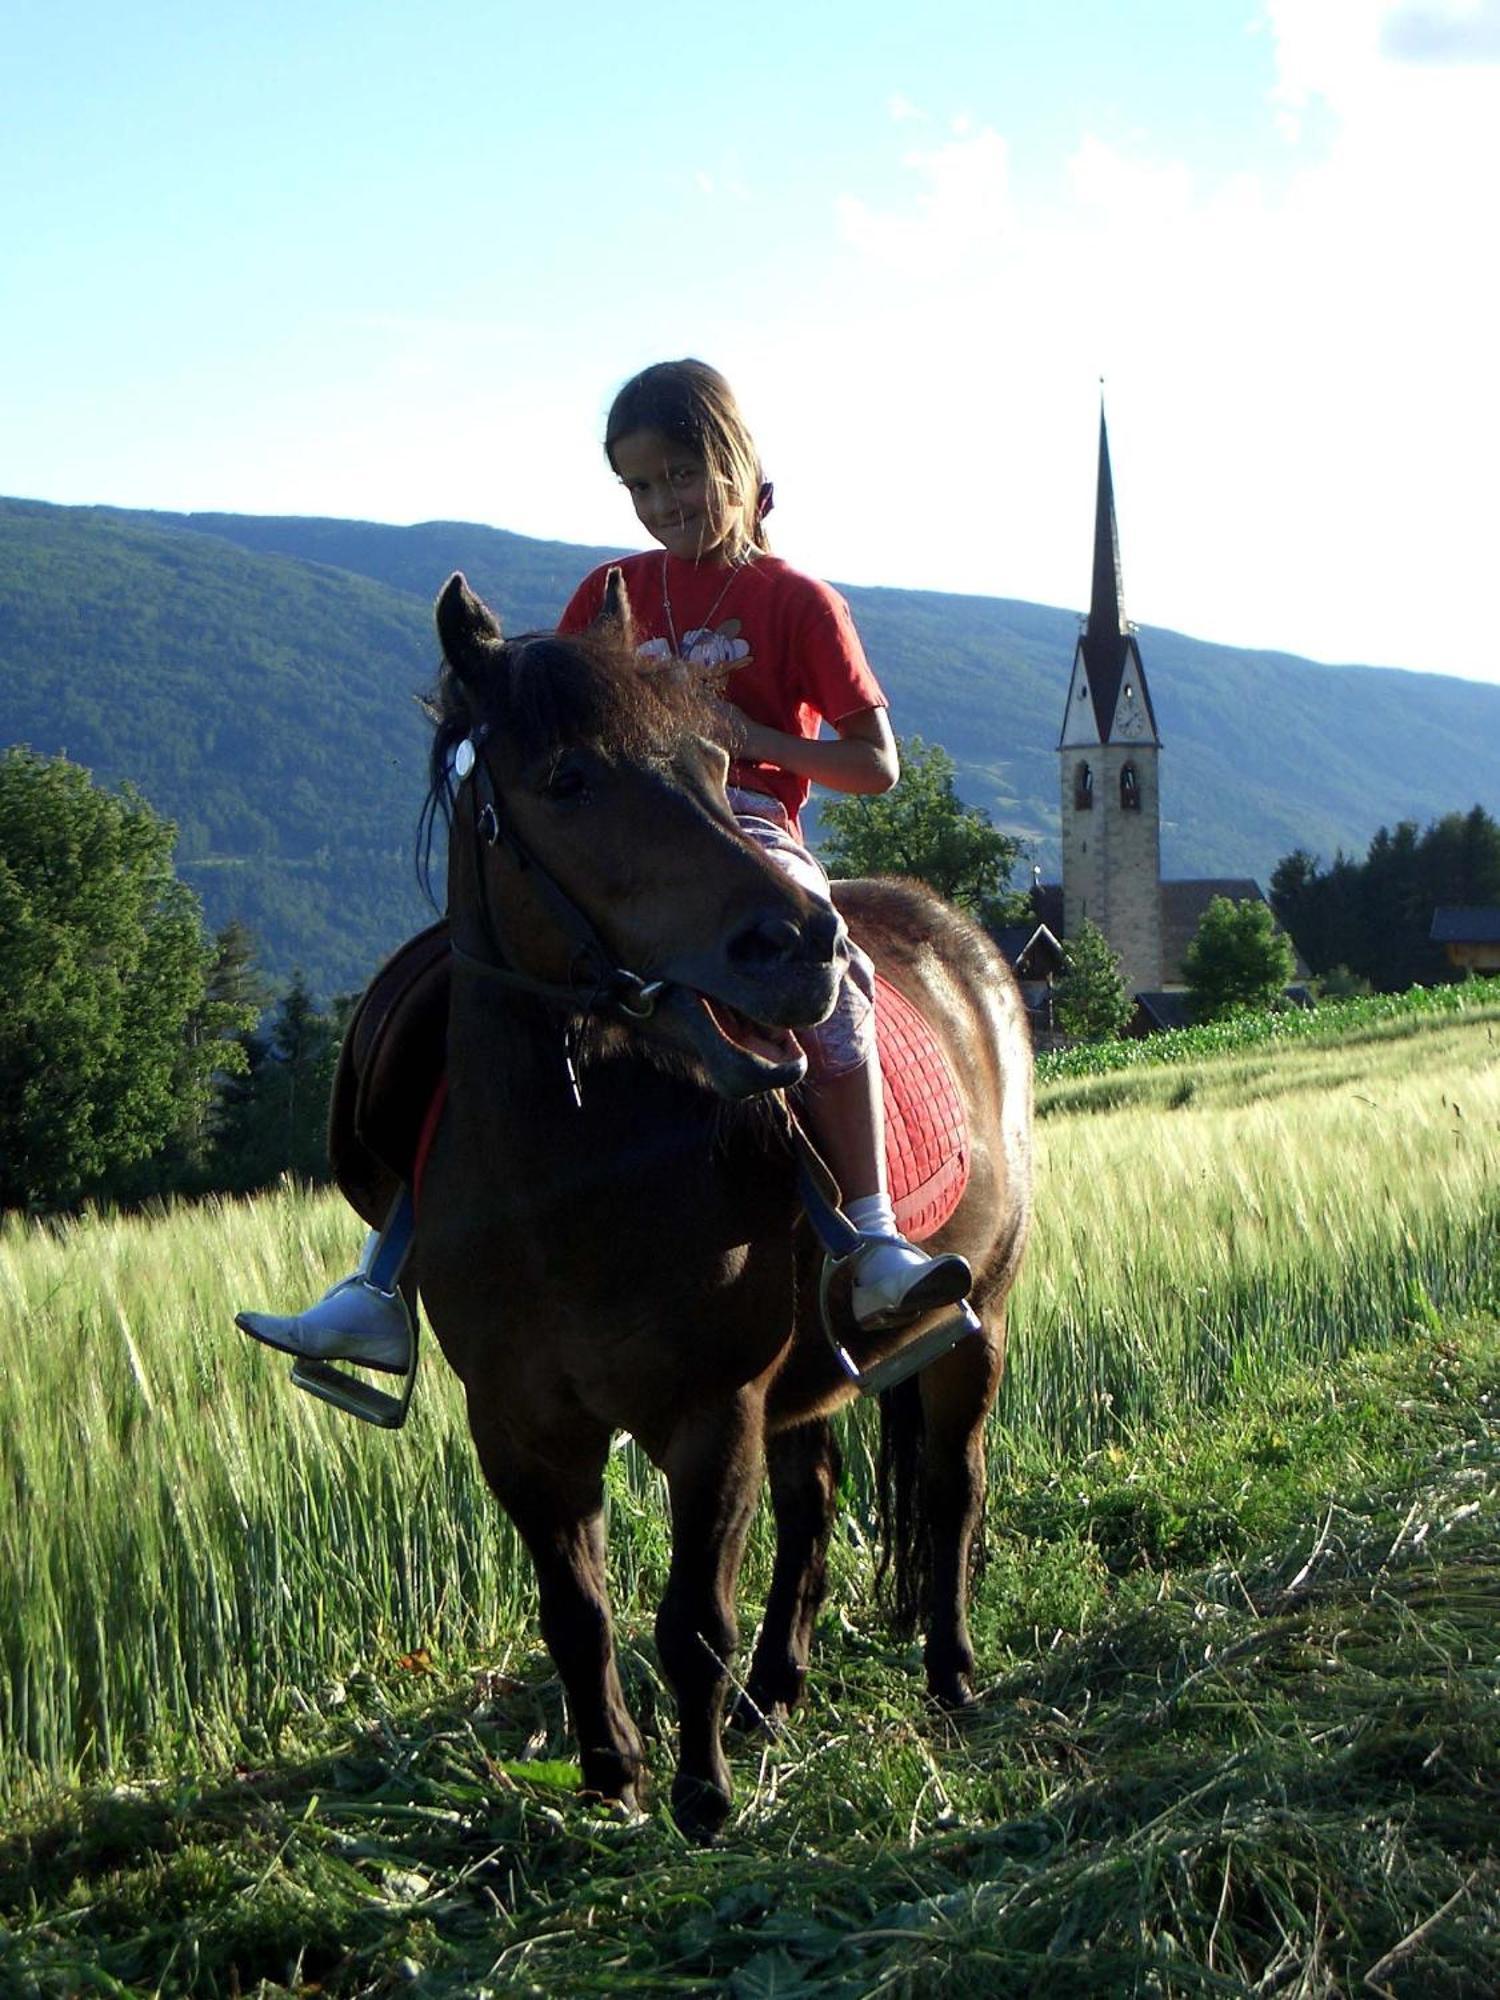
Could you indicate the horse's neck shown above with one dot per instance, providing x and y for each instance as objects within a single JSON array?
[
  {"x": 635, "y": 1133},
  {"x": 506, "y": 1051}
]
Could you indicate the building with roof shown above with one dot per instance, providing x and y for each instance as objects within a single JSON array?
[
  {"x": 1109, "y": 752},
  {"x": 1470, "y": 937}
]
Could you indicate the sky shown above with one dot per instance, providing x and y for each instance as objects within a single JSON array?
[{"x": 376, "y": 260}]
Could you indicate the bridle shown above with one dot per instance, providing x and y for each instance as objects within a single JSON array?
[{"x": 595, "y": 985}]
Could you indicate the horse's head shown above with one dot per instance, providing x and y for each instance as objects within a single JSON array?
[{"x": 594, "y": 858}]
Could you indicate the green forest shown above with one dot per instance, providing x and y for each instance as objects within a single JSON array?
[{"x": 1372, "y": 918}]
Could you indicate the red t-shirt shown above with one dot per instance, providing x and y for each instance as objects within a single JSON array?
[{"x": 795, "y": 656}]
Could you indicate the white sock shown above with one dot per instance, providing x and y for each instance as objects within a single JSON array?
[{"x": 872, "y": 1215}]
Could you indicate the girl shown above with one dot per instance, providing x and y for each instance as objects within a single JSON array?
[
  {"x": 786, "y": 652},
  {"x": 717, "y": 599}
]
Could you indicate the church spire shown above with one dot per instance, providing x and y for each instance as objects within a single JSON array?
[
  {"x": 1107, "y": 647},
  {"x": 1110, "y": 805},
  {"x": 1107, "y": 603}
]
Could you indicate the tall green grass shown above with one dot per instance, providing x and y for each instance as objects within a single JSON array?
[
  {"x": 1233, "y": 1217},
  {"x": 1330, "y": 1021},
  {"x": 192, "y": 1554},
  {"x": 193, "y": 1546}
]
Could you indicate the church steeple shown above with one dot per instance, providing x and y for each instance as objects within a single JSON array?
[
  {"x": 1107, "y": 648},
  {"x": 1110, "y": 809},
  {"x": 1107, "y": 603}
]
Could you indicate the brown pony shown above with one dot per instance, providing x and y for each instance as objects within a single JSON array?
[{"x": 609, "y": 1236}]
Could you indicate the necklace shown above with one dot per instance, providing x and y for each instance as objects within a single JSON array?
[{"x": 705, "y": 623}]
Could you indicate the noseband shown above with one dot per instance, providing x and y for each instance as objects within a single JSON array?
[{"x": 596, "y": 985}]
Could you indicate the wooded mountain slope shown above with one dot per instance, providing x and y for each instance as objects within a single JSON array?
[{"x": 256, "y": 678}]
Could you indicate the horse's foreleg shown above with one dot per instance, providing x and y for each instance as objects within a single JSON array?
[
  {"x": 805, "y": 1464},
  {"x": 714, "y": 1467},
  {"x": 956, "y": 1396},
  {"x": 560, "y": 1518}
]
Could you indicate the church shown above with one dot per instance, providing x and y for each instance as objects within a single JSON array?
[{"x": 1109, "y": 752}]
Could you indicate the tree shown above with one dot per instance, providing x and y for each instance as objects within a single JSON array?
[
  {"x": 106, "y": 966},
  {"x": 1339, "y": 983},
  {"x": 923, "y": 829},
  {"x": 1089, "y": 1001},
  {"x": 274, "y": 1116},
  {"x": 1238, "y": 962},
  {"x": 1374, "y": 917},
  {"x": 235, "y": 995}
]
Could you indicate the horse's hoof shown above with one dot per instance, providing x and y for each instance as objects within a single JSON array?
[
  {"x": 700, "y": 1809},
  {"x": 953, "y": 1693},
  {"x": 614, "y": 1790},
  {"x": 751, "y": 1716}
]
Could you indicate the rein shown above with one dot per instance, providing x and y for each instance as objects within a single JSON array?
[{"x": 597, "y": 986}]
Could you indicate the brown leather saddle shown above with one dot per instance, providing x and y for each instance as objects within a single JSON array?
[{"x": 393, "y": 1059}]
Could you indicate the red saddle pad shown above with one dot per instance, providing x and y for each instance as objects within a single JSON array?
[{"x": 926, "y": 1126}]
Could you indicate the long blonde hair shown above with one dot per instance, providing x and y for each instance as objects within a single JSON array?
[{"x": 692, "y": 405}]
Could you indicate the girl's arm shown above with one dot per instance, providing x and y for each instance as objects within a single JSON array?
[{"x": 862, "y": 757}]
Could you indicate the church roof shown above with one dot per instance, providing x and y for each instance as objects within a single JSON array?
[
  {"x": 1107, "y": 643},
  {"x": 1047, "y": 903},
  {"x": 1157, "y": 1012},
  {"x": 1032, "y": 949},
  {"x": 1182, "y": 906}
]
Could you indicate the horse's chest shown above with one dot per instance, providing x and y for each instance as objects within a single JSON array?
[{"x": 645, "y": 1217}]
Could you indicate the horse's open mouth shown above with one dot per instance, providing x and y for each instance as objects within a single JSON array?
[
  {"x": 741, "y": 1057},
  {"x": 769, "y": 1045}
]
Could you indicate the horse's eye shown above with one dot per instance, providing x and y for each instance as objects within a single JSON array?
[{"x": 567, "y": 783}]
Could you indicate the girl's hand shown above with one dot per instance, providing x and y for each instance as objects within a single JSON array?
[{"x": 861, "y": 757}]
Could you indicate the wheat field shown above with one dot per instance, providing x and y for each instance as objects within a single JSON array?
[{"x": 192, "y": 1554}]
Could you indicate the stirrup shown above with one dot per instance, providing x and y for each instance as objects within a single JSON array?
[
  {"x": 352, "y": 1394},
  {"x": 381, "y": 1263},
  {"x": 944, "y": 1331}
]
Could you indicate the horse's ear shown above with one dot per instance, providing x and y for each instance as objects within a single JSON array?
[
  {"x": 613, "y": 614},
  {"x": 468, "y": 631}
]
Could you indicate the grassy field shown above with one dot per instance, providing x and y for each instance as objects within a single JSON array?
[{"x": 273, "y": 1717}]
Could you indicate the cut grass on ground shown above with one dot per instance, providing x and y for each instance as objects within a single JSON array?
[{"x": 1243, "y": 1738}]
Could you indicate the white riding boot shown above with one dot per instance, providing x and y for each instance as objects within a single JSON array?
[
  {"x": 355, "y": 1320},
  {"x": 895, "y": 1282}
]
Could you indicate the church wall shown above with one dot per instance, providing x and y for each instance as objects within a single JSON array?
[{"x": 1112, "y": 858}]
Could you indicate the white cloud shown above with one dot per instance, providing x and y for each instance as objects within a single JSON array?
[
  {"x": 962, "y": 205},
  {"x": 1298, "y": 366}
]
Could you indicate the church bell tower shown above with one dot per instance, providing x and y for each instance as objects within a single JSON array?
[{"x": 1109, "y": 749}]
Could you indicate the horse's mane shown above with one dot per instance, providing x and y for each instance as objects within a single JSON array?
[{"x": 546, "y": 691}]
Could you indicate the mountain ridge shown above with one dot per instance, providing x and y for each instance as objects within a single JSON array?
[{"x": 256, "y": 677}]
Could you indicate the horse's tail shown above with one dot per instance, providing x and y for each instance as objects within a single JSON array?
[{"x": 903, "y": 1577}]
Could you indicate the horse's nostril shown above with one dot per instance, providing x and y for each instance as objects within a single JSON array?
[
  {"x": 768, "y": 941},
  {"x": 825, "y": 932}
]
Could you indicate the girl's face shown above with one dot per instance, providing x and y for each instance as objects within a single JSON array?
[{"x": 670, "y": 490}]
